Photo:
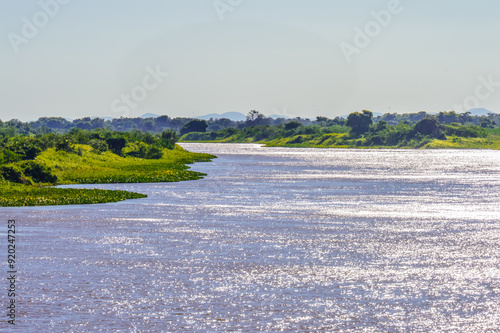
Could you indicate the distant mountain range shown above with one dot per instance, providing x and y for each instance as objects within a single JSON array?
[
  {"x": 480, "y": 112},
  {"x": 276, "y": 116},
  {"x": 235, "y": 116},
  {"x": 375, "y": 114},
  {"x": 150, "y": 115},
  {"x": 238, "y": 116},
  {"x": 105, "y": 118}
]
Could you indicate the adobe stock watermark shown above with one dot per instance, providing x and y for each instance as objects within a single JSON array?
[
  {"x": 372, "y": 29},
  {"x": 224, "y": 6},
  {"x": 484, "y": 90},
  {"x": 31, "y": 28},
  {"x": 151, "y": 81}
]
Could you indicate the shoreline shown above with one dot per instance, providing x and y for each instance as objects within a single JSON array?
[
  {"x": 105, "y": 168},
  {"x": 438, "y": 145}
]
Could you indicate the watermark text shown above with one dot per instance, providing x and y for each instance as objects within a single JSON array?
[
  {"x": 31, "y": 27},
  {"x": 484, "y": 90},
  {"x": 222, "y": 7},
  {"x": 139, "y": 93},
  {"x": 372, "y": 29}
]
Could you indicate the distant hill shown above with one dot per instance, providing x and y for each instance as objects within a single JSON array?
[
  {"x": 150, "y": 115},
  {"x": 480, "y": 112},
  {"x": 276, "y": 116},
  {"x": 375, "y": 114},
  {"x": 234, "y": 116},
  {"x": 105, "y": 118},
  {"x": 210, "y": 115}
]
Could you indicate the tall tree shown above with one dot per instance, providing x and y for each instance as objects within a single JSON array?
[
  {"x": 195, "y": 125},
  {"x": 360, "y": 122}
]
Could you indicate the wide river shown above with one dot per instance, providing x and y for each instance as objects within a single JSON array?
[{"x": 273, "y": 239}]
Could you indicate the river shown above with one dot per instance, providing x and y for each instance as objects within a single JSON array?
[{"x": 274, "y": 239}]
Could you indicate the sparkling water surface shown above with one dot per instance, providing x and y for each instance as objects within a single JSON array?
[{"x": 274, "y": 240}]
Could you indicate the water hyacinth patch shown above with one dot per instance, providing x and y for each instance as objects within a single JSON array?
[{"x": 19, "y": 195}]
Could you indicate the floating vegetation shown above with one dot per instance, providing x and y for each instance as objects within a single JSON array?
[{"x": 14, "y": 195}]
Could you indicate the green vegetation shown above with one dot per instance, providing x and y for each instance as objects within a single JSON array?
[
  {"x": 52, "y": 151},
  {"x": 195, "y": 125},
  {"x": 362, "y": 130},
  {"x": 88, "y": 167},
  {"x": 185, "y": 125},
  {"x": 30, "y": 163},
  {"x": 13, "y": 195}
]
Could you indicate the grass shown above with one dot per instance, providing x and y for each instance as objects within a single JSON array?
[
  {"x": 93, "y": 168},
  {"x": 333, "y": 140},
  {"x": 341, "y": 140},
  {"x": 492, "y": 141}
]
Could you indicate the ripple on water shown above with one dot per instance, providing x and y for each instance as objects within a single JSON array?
[{"x": 276, "y": 239}]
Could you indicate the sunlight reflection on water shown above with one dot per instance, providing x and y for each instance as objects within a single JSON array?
[{"x": 276, "y": 239}]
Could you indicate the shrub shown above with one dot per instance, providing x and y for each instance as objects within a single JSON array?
[
  {"x": 65, "y": 145},
  {"x": 168, "y": 139},
  {"x": 143, "y": 150},
  {"x": 299, "y": 139},
  {"x": 7, "y": 156},
  {"x": 293, "y": 124},
  {"x": 154, "y": 153},
  {"x": 116, "y": 145},
  {"x": 13, "y": 174},
  {"x": 98, "y": 146},
  {"x": 195, "y": 125},
  {"x": 430, "y": 126},
  {"x": 39, "y": 173}
]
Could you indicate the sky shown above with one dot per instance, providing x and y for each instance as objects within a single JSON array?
[{"x": 186, "y": 58}]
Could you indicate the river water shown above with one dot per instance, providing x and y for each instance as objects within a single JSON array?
[{"x": 274, "y": 239}]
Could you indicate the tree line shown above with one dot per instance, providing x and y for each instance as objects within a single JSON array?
[
  {"x": 183, "y": 125},
  {"x": 359, "y": 129}
]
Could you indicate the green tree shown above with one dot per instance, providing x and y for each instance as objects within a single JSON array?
[
  {"x": 195, "y": 125},
  {"x": 65, "y": 145},
  {"x": 154, "y": 153},
  {"x": 430, "y": 126},
  {"x": 40, "y": 173},
  {"x": 252, "y": 115},
  {"x": 255, "y": 118},
  {"x": 99, "y": 146},
  {"x": 13, "y": 174},
  {"x": 485, "y": 122},
  {"x": 116, "y": 145},
  {"x": 360, "y": 122},
  {"x": 168, "y": 139},
  {"x": 7, "y": 156},
  {"x": 292, "y": 125}
]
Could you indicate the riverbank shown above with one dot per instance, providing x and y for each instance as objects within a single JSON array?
[
  {"x": 90, "y": 167},
  {"x": 343, "y": 140},
  {"x": 492, "y": 141}
]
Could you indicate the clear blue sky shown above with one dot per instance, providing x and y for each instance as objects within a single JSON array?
[{"x": 276, "y": 56}]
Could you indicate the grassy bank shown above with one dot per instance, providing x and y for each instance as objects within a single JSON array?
[
  {"x": 341, "y": 140},
  {"x": 90, "y": 167},
  {"x": 344, "y": 140},
  {"x": 359, "y": 130}
]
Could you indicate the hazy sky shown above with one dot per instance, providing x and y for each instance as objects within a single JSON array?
[{"x": 293, "y": 57}]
